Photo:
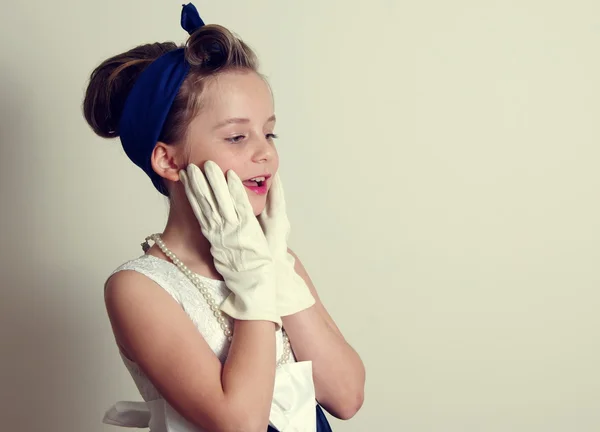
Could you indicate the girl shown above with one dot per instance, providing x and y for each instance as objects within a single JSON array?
[{"x": 218, "y": 322}]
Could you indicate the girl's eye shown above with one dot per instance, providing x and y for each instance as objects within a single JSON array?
[
  {"x": 235, "y": 139},
  {"x": 272, "y": 136}
]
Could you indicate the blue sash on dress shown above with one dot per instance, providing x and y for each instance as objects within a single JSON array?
[{"x": 322, "y": 423}]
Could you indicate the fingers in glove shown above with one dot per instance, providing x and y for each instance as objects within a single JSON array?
[
  {"x": 198, "y": 211},
  {"x": 276, "y": 200},
  {"x": 220, "y": 189},
  {"x": 200, "y": 196},
  {"x": 239, "y": 195}
]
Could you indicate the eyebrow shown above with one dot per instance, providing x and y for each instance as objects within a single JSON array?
[{"x": 239, "y": 120}]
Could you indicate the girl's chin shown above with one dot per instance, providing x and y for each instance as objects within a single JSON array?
[
  {"x": 258, "y": 211},
  {"x": 258, "y": 204}
]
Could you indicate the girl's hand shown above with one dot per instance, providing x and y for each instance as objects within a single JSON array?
[
  {"x": 293, "y": 295},
  {"x": 238, "y": 246}
]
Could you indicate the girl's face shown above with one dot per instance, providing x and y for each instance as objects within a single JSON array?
[{"x": 235, "y": 129}]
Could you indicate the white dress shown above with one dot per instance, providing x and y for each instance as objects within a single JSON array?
[{"x": 293, "y": 406}]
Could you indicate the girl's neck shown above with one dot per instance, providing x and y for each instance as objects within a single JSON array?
[{"x": 182, "y": 236}]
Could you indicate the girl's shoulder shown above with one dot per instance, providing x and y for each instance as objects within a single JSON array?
[
  {"x": 169, "y": 277},
  {"x": 157, "y": 270}
]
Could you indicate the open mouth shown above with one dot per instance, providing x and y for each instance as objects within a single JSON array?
[
  {"x": 258, "y": 181},
  {"x": 257, "y": 184}
]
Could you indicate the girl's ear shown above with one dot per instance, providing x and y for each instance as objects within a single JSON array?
[{"x": 164, "y": 161}]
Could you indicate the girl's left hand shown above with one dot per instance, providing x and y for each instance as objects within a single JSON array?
[{"x": 293, "y": 295}]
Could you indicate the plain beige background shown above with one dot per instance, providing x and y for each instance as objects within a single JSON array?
[{"x": 441, "y": 168}]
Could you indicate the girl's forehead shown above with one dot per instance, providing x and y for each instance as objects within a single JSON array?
[{"x": 236, "y": 96}]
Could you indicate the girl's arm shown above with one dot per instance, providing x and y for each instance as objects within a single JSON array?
[
  {"x": 152, "y": 330},
  {"x": 338, "y": 371}
]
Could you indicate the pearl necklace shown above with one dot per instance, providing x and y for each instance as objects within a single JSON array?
[{"x": 193, "y": 277}]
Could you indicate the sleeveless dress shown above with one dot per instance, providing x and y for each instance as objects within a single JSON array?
[{"x": 294, "y": 408}]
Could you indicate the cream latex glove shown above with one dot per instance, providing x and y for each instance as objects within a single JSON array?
[
  {"x": 293, "y": 294},
  {"x": 238, "y": 245}
]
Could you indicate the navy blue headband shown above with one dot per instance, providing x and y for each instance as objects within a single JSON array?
[{"x": 150, "y": 100}]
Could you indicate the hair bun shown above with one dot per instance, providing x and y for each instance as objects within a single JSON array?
[
  {"x": 212, "y": 47},
  {"x": 216, "y": 55},
  {"x": 110, "y": 84}
]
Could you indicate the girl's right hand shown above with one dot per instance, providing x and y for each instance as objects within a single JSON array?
[{"x": 238, "y": 246}]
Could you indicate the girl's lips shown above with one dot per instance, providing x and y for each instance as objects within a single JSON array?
[{"x": 259, "y": 190}]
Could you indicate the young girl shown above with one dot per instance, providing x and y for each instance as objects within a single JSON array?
[{"x": 218, "y": 322}]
